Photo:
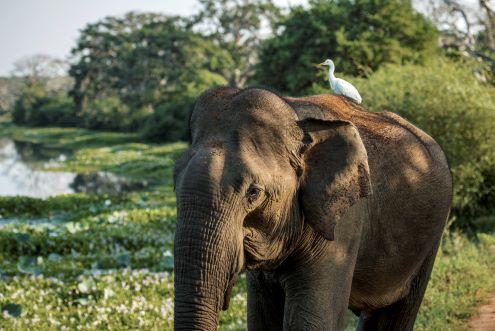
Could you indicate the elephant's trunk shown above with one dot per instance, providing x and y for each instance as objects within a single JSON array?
[{"x": 207, "y": 261}]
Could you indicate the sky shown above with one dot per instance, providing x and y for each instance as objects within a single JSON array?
[{"x": 51, "y": 27}]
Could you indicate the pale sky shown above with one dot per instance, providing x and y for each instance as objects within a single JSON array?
[{"x": 51, "y": 27}]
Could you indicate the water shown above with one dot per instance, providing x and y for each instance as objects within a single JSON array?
[{"x": 21, "y": 173}]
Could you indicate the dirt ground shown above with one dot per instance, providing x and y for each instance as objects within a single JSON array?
[{"x": 484, "y": 320}]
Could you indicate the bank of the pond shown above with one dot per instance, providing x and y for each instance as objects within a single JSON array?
[{"x": 105, "y": 261}]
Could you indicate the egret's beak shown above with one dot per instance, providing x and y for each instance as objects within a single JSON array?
[{"x": 321, "y": 64}]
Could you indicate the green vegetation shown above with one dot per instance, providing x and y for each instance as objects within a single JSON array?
[
  {"x": 146, "y": 61},
  {"x": 446, "y": 100},
  {"x": 461, "y": 279},
  {"x": 103, "y": 262},
  {"x": 36, "y": 106},
  {"x": 141, "y": 72},
  {"x": 356, "y": 34}
]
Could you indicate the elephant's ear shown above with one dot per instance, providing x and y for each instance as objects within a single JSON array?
[{"x": 336, "y": 173}]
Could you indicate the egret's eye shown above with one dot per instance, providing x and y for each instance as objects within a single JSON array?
[{"x": 253, "y": 193}]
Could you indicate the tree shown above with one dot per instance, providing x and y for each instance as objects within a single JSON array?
[
  {"x": 38, "y": 68},
  {"x": 466, "y": 30},
  {"x": 9, "y": 90},
  {"x": 142, "y": 59},
  {"x": 237, "y": 26},
  {"x": 360, "y": 35},
  {"x": 36, "y": 93}
]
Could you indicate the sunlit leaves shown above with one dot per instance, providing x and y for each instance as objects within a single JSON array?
[{"x": 359, "y": 36}]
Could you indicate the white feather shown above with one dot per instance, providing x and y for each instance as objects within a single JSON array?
[
  {"x": 340, "y": 86},
  {"x": 345, "y": 88}
]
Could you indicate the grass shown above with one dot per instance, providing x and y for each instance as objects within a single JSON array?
[
  {"x": 104, "y": 262},
  {"x": 462, "y": 278}
]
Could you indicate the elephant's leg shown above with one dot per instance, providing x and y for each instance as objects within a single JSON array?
[
  {"x": 318, "y": 299},
  {"x": 402, "y": 314},
  {"x": 265, "y": 302}
]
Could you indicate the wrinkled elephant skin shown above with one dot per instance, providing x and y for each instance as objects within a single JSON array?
[{"x": 325, "y": 205}]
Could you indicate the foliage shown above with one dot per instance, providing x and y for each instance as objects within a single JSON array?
[
  {"x": 467, "y": 30},
  {"x": 461, "y": 279},
  {"x": 126, "y": 66},
  {"x": 37, "y": 107},
  {"x": 9, "y": 88},
  {"x": 447, "y": 101},
  {"x": 38, "y": 69},
  {"x": 111, "y": 113},
  {"x": 104, "y": 262},
  {"x": 359, "y": 35},
  {"x": 32, "y": 207},
  {"x": 236, "y": 26},
  {"x": 168, "y": 122}
]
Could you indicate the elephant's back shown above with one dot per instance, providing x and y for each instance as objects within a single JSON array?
[
  {"x": 378, "y": 130},
  {"x": 390, "y": 140},
  {"x": 412, "y": 190}
]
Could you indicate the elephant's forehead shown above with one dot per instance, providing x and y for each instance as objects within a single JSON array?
[
  {"x": 254, "y": 116},
  {"x": 263, "y": 104}
]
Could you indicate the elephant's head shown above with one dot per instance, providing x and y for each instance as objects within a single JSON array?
[{"x": 255, "y": 180}]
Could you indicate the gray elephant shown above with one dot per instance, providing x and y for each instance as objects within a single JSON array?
[{"x": 325, "y": 205}]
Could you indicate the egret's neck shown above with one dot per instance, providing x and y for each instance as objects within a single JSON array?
[{"x": 331, "y": 76}]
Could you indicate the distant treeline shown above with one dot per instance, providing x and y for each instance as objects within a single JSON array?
[{"x": 142, "y": 73}]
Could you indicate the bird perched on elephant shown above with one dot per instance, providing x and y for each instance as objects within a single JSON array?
[
  {"x": 324, "y": 205},
  {"x": 340, "y": 86}
]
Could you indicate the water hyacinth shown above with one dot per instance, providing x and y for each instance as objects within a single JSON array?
[{"x": 97, "y": 262}]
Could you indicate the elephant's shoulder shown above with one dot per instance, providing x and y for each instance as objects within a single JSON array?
[{"x": 306, "y": 109}]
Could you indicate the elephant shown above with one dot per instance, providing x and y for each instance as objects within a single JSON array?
[{"x": 324, "y": 205}]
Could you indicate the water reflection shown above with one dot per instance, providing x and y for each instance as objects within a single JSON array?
[
  {"x": 18, "y": 177},
  {"x": 104, "y": 182},
  {"x": 21, "y": 174}
]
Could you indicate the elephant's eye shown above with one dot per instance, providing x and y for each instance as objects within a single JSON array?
[{"x": 253, "y": 193}]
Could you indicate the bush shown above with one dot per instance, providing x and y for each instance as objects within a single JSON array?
[
  {"x": 447, "y": 101},
  {"x": 169, "y": 122},
  {"x": 37, "y": 107},
  {"x": 58, "y": 109},
  {"x": 360, "y": 35},
  {"x": 112, "y": 114}
]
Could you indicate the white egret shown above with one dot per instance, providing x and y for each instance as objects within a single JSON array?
[{"x": 340, "y": 86}]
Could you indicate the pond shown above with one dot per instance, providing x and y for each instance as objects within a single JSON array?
[{"x": 21, "y": 173}]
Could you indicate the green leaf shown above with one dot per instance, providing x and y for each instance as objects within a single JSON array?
[
  {"x": 123, "y": 260},
  {"x": 168, "y": 260},
  {"x": 82, "y": 301},
  {"x": 54, "y": 257},
  {"x": 12, "y": 309},
  {"x": 85, "y": 285},
  {"x": 22, "y": 237},
  {"x": 28, "y": 265}
]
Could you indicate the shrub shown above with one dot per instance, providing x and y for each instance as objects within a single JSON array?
[
  {"x": 447, "y": 101},
  {"x": 58, "y": 109},
  {"x": 38, "y": 107},
  {"x": 357, "y": 34},
  {"x": 111, "y": 113},
  {"x": 169, "y": 122}
]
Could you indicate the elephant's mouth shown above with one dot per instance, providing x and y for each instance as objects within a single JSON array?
[
  {"x": 257, "y": 253},
  {"x": 252, "y": 256}
]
